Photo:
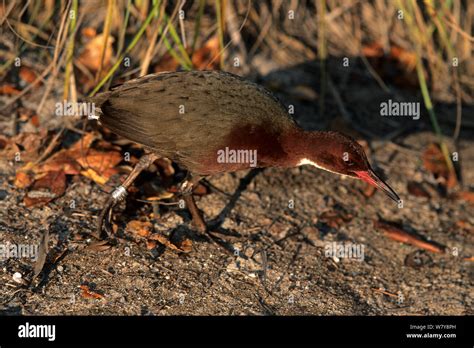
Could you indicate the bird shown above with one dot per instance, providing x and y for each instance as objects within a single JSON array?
[{"x": 212, "y": 122}]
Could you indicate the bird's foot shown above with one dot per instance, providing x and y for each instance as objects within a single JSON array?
[
  {"x": 115, "y": 197},
  {"x": 120, "y": 193}
]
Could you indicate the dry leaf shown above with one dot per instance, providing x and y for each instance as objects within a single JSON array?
[
  {"x": 465, "y": 196},
  {"x": 84, "y": 143},
  {"x": 150, "y": 244},
  {"x": 91, "y": 55},
  {"x": 163, "y": 240},
  {"x": 141, "y": 228},
  {"x": 28, "y": 144},
  {"x": 45, "y": 189},
  {"x": 200, "y": 190},
  {"x": 335, "y": 219},
  {"x": 200, "y": 59},
  {"x": 395, "y": 232},
  {"x": 89, "y": 32},
  {"x": 207, "y": 53},
  {"x": 61, "y": 160},
  {"x": 23, "y": 180},
  {"x": 99, "y": 161},
  {"x": 185, "y": 245},
  {"x": 405, "y": 58},
  {"x": 65, "y": 159},
  {"x": 28, "y": 75},
  {"x": 9, "y": 89},
  {"x": 35, "y": 121},
  {"x": 434, "y": 162},
  {"x": 373, "y": 49},
  {"x": 88, "y": 293},
  {"x": 162, "y": 195},
  {"x": 94, "y": 176}
]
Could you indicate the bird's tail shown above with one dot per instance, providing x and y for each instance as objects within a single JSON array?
[{"x": 97, "y": 101}]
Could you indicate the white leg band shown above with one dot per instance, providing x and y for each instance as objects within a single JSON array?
[{"x": 119, "y": 193}]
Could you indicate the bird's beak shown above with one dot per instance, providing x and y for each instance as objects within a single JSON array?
[{"x": 370, "y": 177}]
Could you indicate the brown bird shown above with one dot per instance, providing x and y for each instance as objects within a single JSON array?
[{"x": 211, "y": 122}]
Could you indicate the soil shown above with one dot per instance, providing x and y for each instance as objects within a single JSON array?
[{"x": 277, "y": 234}]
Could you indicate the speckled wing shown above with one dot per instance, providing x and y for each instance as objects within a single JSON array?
[{"x": 176, "y": 113}]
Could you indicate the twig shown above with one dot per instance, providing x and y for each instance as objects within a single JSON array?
[{"x": 50, "y": 147}]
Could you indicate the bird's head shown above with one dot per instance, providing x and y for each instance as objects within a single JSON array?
[{"x": 340, "y": 154}]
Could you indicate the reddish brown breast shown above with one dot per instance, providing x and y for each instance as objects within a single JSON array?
[{"x": 246, "y": 147}]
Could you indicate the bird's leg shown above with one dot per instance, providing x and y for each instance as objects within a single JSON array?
[
  {"x": 120, "y": 192},
  {"x": 186, "y": 190}
]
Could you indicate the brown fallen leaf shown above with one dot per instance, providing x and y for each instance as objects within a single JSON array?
[
  {"x": 335, "y": 219},
  {"x": 94, "y": 176},
  {"x": 9, "y": 89},
  {"x": 465, "y": 196},
  {"x": 99, "y": 160},
  {"x": 141, "y": 228},
  {"x": 66, "y": 159},
  {"x": 201, "y": 58},
  {"x": 396, "y": 63},
  {"x": 35, "y": 121},
  {"x": 434, "y": 162},
  {"x": 186, "y": 245},
  {"x": 88, "y": 293},
  {"x": 91, "y": 55},
  {"x": 27, "y": 145},
  {"x": 163, "y": 240},
  {"x": 102, "y": 163},
  {"x": 28, "y": 75},
  {"x": 200, "y": 190},
  {"x": 23, "y": 180},
  {"x": 84, "y": 143},
  {"x": 59, "y": 161},
  {"x": 406, "y": 59},
  {"x": 150, "y": 244},
  {"x": 208, "y": 52},
  {"x": 374, "y": 49},
  {"x": 160, "y": 196},
  {"x": 395, "y": 232},
  {"x": 89, "y": 32},
  {"x": 46, "y": 188}
]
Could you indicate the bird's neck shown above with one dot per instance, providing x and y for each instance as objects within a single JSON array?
[{"x": 302, "y": 146}]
